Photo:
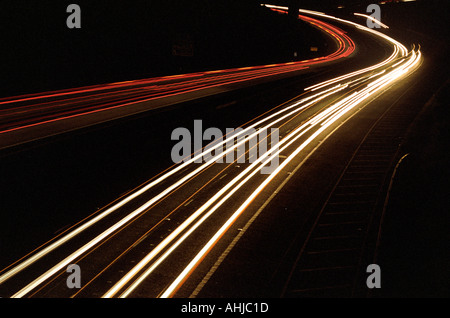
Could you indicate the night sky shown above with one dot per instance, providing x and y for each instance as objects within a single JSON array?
[{"x": 125, "y": 40}]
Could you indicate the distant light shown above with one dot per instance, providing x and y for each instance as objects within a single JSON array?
[
  {"x": 373, "y": 19},
  {"x": 271, "y": 6},
  {"x": 311, "y": 11}
]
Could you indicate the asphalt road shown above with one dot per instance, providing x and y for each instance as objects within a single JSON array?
[
  {"x": 209, "y": 229},
  {"x": 34, "y": 116}
]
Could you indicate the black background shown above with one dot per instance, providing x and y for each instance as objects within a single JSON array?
[{"x": 126, "y": 40}]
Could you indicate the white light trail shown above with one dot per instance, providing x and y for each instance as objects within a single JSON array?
[
  {"x": 73, "y": 233},
  {"x": 337, "y": 110},
  {"x": 27, "y": 262},
  {"x": 373, "y": 19},
  {"x": 328, "y": 117},
  {"x": 350, "y": 103},
  {"x": 386, "y": 75}
]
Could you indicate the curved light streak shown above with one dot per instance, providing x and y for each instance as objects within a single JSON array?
[
  {"x": 373, "y": 19},
  {"x": 321, "y": 121},
  {"x": 51, "y": 247}
]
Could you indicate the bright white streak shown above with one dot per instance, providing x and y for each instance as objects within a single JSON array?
[
  {"x": 339, "y": 109},
  {"x": 175, "y": 284},
  {"x": 78, "y": 230},
  {"x": 373, "y": 19},
  {"x": 121, "y": 283},
  {"x": 352, "y": 101},
  {"x": 13, "y": 271}
]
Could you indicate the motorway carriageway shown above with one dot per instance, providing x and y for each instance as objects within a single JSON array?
[
  {"x": 149, "y": 242},
  {"x": 33, "y": 116}
]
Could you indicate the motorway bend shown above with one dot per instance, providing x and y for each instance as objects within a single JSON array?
[
  {"x": 139, "y": 226},
  {"x": 34, "y": 116}
]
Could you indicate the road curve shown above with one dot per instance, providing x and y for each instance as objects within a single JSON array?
[
  {"x": 34, "y": 116},
  {"x": 149, "y": 242}
]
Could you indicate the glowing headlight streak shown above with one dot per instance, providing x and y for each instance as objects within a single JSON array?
[
  {"x": 351, "y": 101},
  {"x": 24, "y": 264},
  {"x": 331, "y": 109},
  {"x": 270, "y": 6},
  {"x": 373, "y": 19},
  {"x": 206, "y": 248},
  {"x": 52, "y": 271},
  {"x": 355, "y": 73},
  {"x": 234, "y": 189},
  {"x": 354, "y": 100},
  {"x": 294, "y": 135},
  {"x": 319, "y": 95},
  {"x": 399, "y": 48},
  {"x": 101, "y": 88},
  {"x": 328, "y": 117}
]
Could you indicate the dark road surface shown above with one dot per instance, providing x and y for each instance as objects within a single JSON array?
[
  {"x": 411, "y": 244},
  {"x": 327, "y": 221}
]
